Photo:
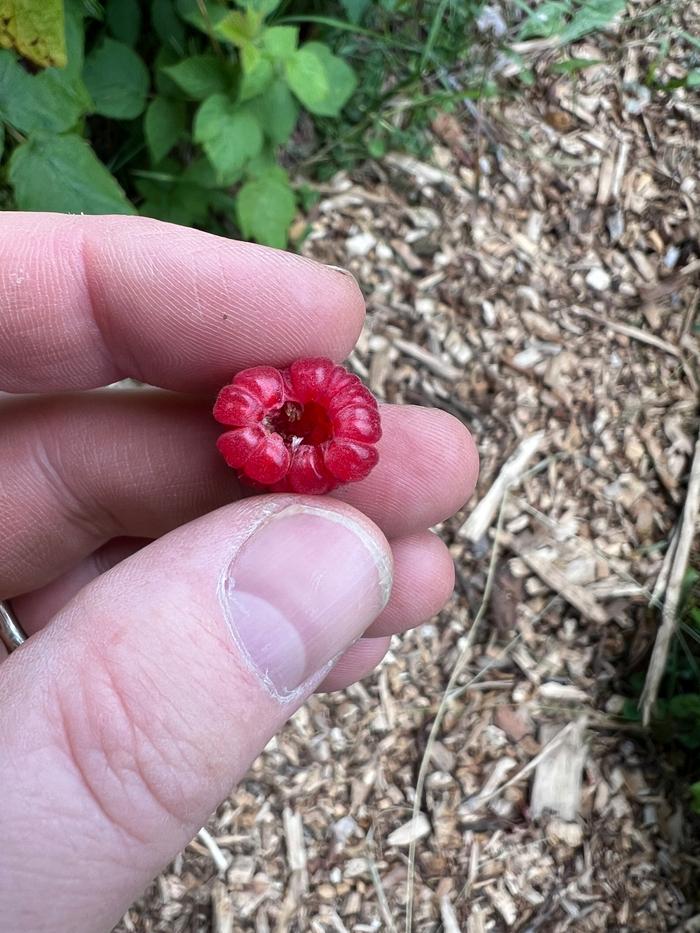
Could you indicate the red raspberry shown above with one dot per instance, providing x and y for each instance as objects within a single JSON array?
[{"x": 305, "y": 429}]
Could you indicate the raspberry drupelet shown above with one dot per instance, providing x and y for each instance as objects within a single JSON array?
[{"x": 305, "y": 429}]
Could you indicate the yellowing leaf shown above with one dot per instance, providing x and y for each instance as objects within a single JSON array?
[{"x": 36, "y": 28}]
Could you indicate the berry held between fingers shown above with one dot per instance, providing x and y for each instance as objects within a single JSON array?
[{"x": 305, "y": 429}]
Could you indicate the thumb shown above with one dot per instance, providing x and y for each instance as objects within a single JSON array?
[{"x": 127, "y": 720}]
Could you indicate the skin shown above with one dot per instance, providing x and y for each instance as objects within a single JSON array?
[{"x": 122, "y": 730}]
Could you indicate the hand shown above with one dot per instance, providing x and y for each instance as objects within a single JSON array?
[{"x": 156, "y": 672}]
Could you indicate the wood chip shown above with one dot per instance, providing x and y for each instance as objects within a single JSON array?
[
  {"x": 580, "y": 598},
  {"x": 512, "y": 470},
  {"x": 222, "y": 908},
  {"x": 448, "y": 916},
  {"x": 414, "y": 829},
  {"x": 556, "y": 788},
  {"x": 296, "y": 850}
]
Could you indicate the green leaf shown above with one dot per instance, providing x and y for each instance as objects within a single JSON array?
[
  {"x": 322, "y": 81},
  {"x": 75, "y": 41},
  {"x": 592, "y": 16},
  {"x": 686, "y": 706},
  {"x": 117, "y": 80},
  {"x": 123, "y": 19},
  {"x": 52, "y": 101},
  {"x": 308, "y": 197},
  {"x": 167, "y": 24},
  {"x": 177, "y": 201},
  {"x": 224, "y": 203},
  {"x": 546, "y": 20},
  {"x": 190, "y": 11},
  {"x": 265, "y": 208},
  {"x": 234, "y": 29},
  {"x": 2, "y": 139},
  {"x": 573, "y": 65},
  {"x": 355, "y": 9},
  {"x": 200, "y": 76},
  {"x": 164, "y": 58},
  {"x": 690, "y": 38},
  {"x": 63, "y": 174},
  {"x": 281, "y": 41},
  {"x": 264, "y": 7},
  {"x": 36, "y": 29},
  {"x": 278, "y": 112},
  {"x": 257, "y": 72},
  {"x": 163, "y": 125},
  {"x": 201, "y": 172},
  {"x": 306, "y": 77},
  {"x": 695, "y": 797},
  {"x": 228, "y": 133},
  {"x": 241, "y": 28},
  {"x": 265, "y": 163},
  {"x": 376, "y": 147}
]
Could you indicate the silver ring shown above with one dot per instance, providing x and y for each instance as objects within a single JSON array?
[{"x": 12, "y": 635}]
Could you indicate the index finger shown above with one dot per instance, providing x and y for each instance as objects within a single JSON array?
[{"x": 87, "y": 301}]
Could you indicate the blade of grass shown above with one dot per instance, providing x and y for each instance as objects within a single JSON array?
[
  {"x": 692, "y": 663},
  {"x": 433, "y": 33},
  {"x": 350, "y": 27}
]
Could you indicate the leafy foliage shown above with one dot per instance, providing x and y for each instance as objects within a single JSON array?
[
  {"x": 175, "y": 109},
  {"x": 569, "y": 21},
  {"x": 117, "y": 80}
]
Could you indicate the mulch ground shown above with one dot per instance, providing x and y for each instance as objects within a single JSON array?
[{"x": 540, "y": 279}]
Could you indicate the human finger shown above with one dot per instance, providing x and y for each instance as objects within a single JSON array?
[
  {"x": 128, "y": 718},
  {"x": 87, "y": 301}
]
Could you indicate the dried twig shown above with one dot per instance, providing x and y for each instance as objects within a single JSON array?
[
  {"x": 222, "y": 908},
  {"x": 480, "y": 519},
  {"x": 217, "y": 856},
  {"x": 428, "y": 359},
  {"x": 634, "y": 332},
  {"x": 659, "y": 590},
  {"x": 382, "y": 901}
]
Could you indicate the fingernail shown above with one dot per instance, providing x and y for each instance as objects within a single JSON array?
[
  {"x": 303, "y": 587},
  {"x": 341, "y": 270}
]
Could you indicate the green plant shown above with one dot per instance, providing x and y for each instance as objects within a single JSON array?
[
  {"x": 692, "y": 77},
  {"x": 412, "y": 60},
  {"x": 568, "y": 20},
  {"x": 676, "y": 722},
  {"x": 179, "y": 115}
]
